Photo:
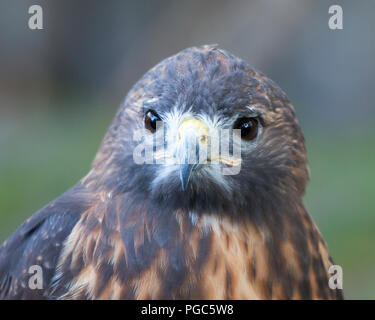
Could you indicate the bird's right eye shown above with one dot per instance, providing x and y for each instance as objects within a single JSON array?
[{"x": 151, "y": 118}]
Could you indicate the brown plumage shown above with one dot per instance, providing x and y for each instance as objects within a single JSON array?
[{"x": 175, "y": 231}]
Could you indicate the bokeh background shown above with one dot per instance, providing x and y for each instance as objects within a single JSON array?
[{"x": 60, "y": 88}]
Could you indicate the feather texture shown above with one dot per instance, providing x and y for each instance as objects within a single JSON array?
[{"x": 128, "y": 230}]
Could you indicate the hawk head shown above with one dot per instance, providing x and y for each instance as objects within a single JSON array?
[{"x": 204, "y": 131}]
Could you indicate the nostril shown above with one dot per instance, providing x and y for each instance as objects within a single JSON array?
[{"x": 203, "y": 139}]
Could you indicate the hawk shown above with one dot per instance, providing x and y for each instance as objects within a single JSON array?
[{"x": 172, "y": 228}]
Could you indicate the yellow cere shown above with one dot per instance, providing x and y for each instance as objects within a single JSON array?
[{"x": 195, "y": 125}]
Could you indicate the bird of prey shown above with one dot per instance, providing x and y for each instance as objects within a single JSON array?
[{"x": 172, "y": 228}]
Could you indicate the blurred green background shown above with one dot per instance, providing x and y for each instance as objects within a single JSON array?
[{"x": 60, "y": 88}]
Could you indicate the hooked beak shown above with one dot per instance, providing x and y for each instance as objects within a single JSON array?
[
  {"x": 185, "y": 172},
  {"x": 192, "y": 148}
]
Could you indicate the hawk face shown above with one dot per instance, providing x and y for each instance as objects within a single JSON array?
[{"x": 215, "y": 134}]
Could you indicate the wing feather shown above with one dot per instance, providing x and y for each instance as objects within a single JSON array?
[{"x": 38, "y": 241}]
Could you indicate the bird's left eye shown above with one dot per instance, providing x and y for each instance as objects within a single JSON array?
[
  {"x": 151, "y": 118},
  {"x": 248, "y": 127}
]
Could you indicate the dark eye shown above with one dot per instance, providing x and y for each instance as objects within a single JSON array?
[
  {"x": 151, "y": 118},
  {"x": 248, "y": 127}
]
